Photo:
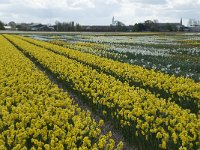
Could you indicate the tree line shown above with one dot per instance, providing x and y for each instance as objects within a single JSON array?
[
  {"x": 67, "y": 26},
  {"x": 71, "y": 26},
  {"x": 148, "y": 25},
  {"x": 2, "y": 26},
  {"x": 154, "y": 26}
]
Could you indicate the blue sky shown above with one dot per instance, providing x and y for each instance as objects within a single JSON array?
[{"x": 98, "y": 12}]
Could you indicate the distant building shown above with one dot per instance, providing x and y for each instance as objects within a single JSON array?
[
  {"x": 116, "y": 22},
  {"x": 10, "y": 26},
  {"x": 194, "y": 25},
  {"x": 150, "y": 25},
  {"x": 41, "y": 27},
  {"x": 186, "y": 29},
  {"x": 97, "y": 28},
  {"x": 113, "y": 27},
  {"x": 35, "y": 26},
  {"x": 7, "y": 27},
  {"x": 195, "y": 28},
  {"x": 171, "y": 26}
]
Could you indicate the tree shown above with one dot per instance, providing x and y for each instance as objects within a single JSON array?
[
  {"x": 155, "y": 21},
  {"x": 138, "y": 27},
  {"x": 151, "y": 25},
  {"x": 193, "y": 22},
  {"x": 190, "y": 22},
  {"x": 2, "y": 26},
  {"x": 155, "y": 26},
  {"x": 12, "y": 24},
  {"x": 77, "y": 27},
  {"x": 72, "y": 26},
  {"x": 23, "y": 27},
  {"x": 169, "y": 27},
  {"x": 66, "y": 26}
]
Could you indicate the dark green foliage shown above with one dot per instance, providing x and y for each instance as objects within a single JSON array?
[{"x": 2, "y": 26}]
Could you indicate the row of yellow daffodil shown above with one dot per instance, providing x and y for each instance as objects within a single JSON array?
[
  {"x": 92, "y": 48},
  {"x": 36, "y": 114},
  {"x": 158, "y": 120},
  {"x": 181, "y": 90},
  {"x": 190, "y": 42}
]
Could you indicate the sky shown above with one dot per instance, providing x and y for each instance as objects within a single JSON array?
[{"x": 98, "y": 12}]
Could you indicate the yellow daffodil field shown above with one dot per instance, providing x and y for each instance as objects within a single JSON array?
[
  {"x": 36, "y": 114},
  {"x": 150, "y": 108},
  {"x": 178, "y": 89}
]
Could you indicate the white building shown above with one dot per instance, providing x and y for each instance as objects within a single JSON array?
[
  {"x": 8, "y": 27},
  {"x": 116, "y": 22}
]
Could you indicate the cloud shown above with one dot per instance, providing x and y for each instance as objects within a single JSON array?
[
  {"x": 4, "y": 1},
  {"x": 98, "y": 12},
  {"x": 151, "y": 2}
]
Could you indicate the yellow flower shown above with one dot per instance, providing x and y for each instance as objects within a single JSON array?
[
  {"x": 164, "y": 145},
  {"x": 158, "y": 135},
  {"x": 182, "y": 148}
]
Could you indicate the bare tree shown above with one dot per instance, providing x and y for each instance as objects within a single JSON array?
[
  {"x": 193, "y": 22},
  {"x": 190, "y": 22}
]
